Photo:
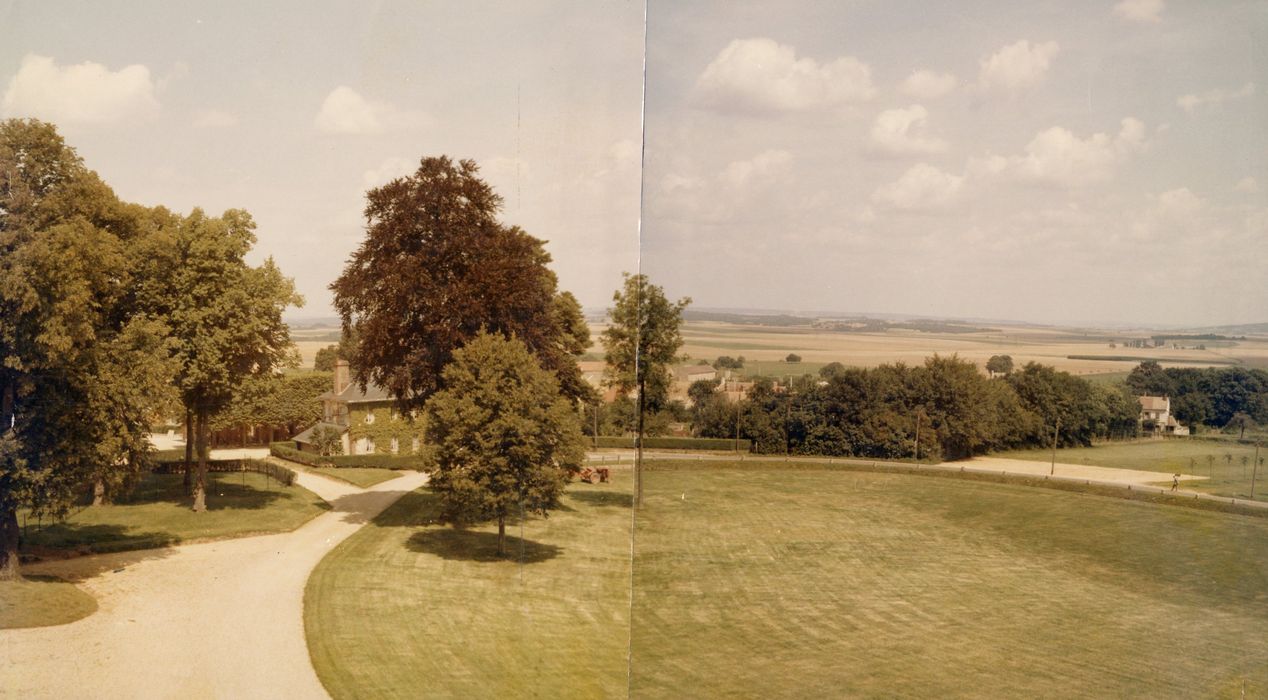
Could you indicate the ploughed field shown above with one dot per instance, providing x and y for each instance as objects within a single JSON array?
[{"x": 775, "y": 581}]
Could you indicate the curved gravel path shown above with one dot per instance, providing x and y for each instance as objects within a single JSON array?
[{"x": 213, "y": 620}]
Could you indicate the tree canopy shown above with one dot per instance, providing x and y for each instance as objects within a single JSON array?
[
  {"x": 435, "y": 268},
  {"x": 82, "y": 372},
  {"x": 505, "y": 440}
]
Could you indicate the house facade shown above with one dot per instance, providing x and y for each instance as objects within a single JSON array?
[
  {"x": 1155, "y": 411},
  {"x": 367, "y": 422}
]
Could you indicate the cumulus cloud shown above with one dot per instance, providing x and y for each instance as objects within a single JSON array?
[
  {"x": 921, "y": 187},
  {"x": 763, "y": 75},
  {"x": 1056, "y": 155},
  {"x": 1247, "y": 184},
  {"x": 1191, "y": 102},
  {"x": 1017, "y": 65},
  {"x": 344, "y": 111},
  {"x": 928, "y": 85},
  {"x": 1175, "y": 215},
  {"x": 1148, "y": 11},
  {"x": 215, "y": 119},
  {"x": 84, "y": 93},
  {"x": 766, "y": 165},
  {"x": 902, "y": 131}
]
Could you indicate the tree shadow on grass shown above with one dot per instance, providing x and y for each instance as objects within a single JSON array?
[
  {"x": 617, "y": 499},
  {"x": 480, "y": 546},
  {"x": 414, "y": 509},
  {"x": 111, "y": 548}
]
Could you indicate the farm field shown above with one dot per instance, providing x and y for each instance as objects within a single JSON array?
[
  {"x": 1066, "y": 349},
  {"x": 158, "y": 514},
  {"x": 1221, "y": 461},
  {"x": 762, "y": 581}
]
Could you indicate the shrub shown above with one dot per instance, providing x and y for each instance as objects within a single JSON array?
[
  {"x": 673, "y": 443},
  {"x": 418, "y": 462}
]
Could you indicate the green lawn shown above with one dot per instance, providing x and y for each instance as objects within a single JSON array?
[
  {"x": 408, "y": 608},
  {"x": 363, "y": 477},
  {"x": 850, "y": 584},
  {"x": 806, "y": 582},
  {"x": 39, "y": 602},
  {"x": 1228, "y": 477},
  {"x": 158, "y": 514}
]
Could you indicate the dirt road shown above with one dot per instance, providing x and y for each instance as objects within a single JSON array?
[{"x": 215, "y": 620}]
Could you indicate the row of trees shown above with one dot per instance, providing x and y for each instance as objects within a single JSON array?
[
  {"x": 113, "y": 315},
  {"x": 943, "y": 409}
]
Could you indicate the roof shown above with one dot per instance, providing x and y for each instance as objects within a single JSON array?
[
  {"x": 353, "y": 394},
  {"x": 307, "y": 435},
  {"x": 1155, "y": 403}
]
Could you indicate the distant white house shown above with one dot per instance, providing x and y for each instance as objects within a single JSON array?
[{"x": 1156, "y": 411}]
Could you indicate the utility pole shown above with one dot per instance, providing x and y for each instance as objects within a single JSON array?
[
  {"x": 596, "y": 425},
  {"x": 917, "y": 446},
  {"x": 1056, "y": 431},
  {"x": 737, "y": 426},
  {"x": 1254, "y": 472}
]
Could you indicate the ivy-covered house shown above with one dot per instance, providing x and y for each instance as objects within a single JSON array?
[{"x": 367, "y": 422}]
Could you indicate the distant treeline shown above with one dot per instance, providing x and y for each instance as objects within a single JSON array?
[
  {"x": 1202, "y": 336},
  {"x": 871, "y": 325},
  {"x": 747, "y": 319},
  {"x": 1215, "y": 397},
  {"x": 956, "y": 411}
]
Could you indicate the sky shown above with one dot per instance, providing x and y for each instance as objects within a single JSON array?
[
  {"x": 1066, "y": 162},
  {"x": 293, "y": 110},
  {"x": 1073, "y": 162}
]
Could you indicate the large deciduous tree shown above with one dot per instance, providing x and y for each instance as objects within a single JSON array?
[
  {"x": 224, "y": 314},
  {"x": 506, "y": 441},
  {"x": 642, "y": 341},
  {"x": 435, "y": 268},
  {"x": 75, "y": 352}
]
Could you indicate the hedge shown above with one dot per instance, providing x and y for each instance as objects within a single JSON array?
[
  {"x": 673, "y": 443},
  {"x": 284, "y": 450}
]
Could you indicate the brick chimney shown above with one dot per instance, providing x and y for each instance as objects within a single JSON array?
[{"x": 341, "y": 376}]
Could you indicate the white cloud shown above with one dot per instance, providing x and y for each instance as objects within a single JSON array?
[
  {"x": 1017, "y": 65},
  {"x": 1140, "y": 10},
  {"x": 344, "y": 111},
  {"x": 762, "y": 75},
  {"x": 84, "y": 93},
  {"x": 1175, "y": 215},
  {"x": 215, "y": 119},
  {"x": 1191, "y": 102},
  {"x": 921, "y": 187},
  {"x": 1058, "y": 156},
  {"x": 902, "y": 131},
  {"x": 387, "y": 171},
  {"x": 1247, "y": 184},
  {"x": 928, "y": 85},
  {"x": 766, "y": 165}
]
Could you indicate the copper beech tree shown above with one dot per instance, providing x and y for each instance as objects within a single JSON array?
[{"x": 435, "y": 268}]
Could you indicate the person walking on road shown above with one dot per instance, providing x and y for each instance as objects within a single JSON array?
[{"x": 1175, "y": 482}]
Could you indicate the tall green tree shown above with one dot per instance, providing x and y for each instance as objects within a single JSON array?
[
  {"x": 224, "y": 314},
  {"x": 999, "y": 364},
  {"x": 506, "y": 441},
  {"x": 72, "y": 345},
  {"x": 642, "y": 342},
  {"x": 435, "y": 268}
]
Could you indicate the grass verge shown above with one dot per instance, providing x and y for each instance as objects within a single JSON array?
[
  {"x": 357, "y": 476},
  {"x": 38, "y": 601},
  {"x": 157, "y": 514}
]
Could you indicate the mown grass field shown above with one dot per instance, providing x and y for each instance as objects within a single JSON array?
[
  {"x": 764, "y": 581},
  {"x": 771, "y": 583},
  {"x": 157, "y": 514},
  {"x": 408, "y": 608},
  {"x": 40, "y": 602},
  {"x": 1221, "y": 461}
]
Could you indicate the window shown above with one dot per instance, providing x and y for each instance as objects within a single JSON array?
[
  {"x": 396, "y": 446},
  {"x": 369, "y": 417},
  {"x": 414, "y": 446},
  {"x": 369, "y": 445}
]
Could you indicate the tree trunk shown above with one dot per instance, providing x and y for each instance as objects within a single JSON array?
[
  {"x": 189, "y": 450},
  {"x": 501, "y": 535},
  {"x": 200, "y": 483},
  {"x": 9, "y": 545},
  {"x": 98, "y": 492}
]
